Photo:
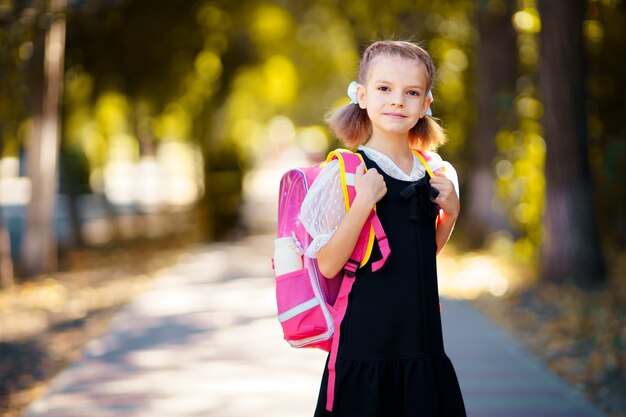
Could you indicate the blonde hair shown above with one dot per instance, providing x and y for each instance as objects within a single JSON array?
[{"x": 351, "y": 124}]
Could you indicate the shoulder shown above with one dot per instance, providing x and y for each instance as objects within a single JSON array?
[{"x": 433, "y": 159}]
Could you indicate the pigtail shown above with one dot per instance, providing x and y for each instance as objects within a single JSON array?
[
  {"x": 351, "y": 124},
  {"x": 427, "y": 134}
]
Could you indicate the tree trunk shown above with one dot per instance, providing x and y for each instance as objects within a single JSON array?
[
  {"x": 39, "y": 252},
  {"x": 496, "y": 74},
  {"x": 6, "y": 263},
  {"x": 71, "y": 184},
  {"x": 571, "y": 249}
]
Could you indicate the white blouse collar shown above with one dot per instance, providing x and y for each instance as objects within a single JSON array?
[{"x": 386, "y": 164}]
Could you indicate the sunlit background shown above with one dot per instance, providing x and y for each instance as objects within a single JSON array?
[
  {"x": 124, "y": 123},
  {"x": 197, "y": 107}
]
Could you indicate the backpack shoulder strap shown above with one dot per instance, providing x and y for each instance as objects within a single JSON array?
[{"x": 348, "y": 163}]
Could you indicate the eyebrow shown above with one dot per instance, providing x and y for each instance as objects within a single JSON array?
[{"x": 389, "y": 82}]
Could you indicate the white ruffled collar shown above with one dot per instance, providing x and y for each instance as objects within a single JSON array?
[{"x": 386, "y": 164}]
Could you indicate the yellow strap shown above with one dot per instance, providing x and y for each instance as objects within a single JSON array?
[
  {"x": 423, "y": 161},
  {"x": 342, "y": 174},
  {"x": 337, "y": 153}
]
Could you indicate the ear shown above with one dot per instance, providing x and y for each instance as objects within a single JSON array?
[
  {"x": 361, "y": 94},
  {"x": 427, "y": 102}
]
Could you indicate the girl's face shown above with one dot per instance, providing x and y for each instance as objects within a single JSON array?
[{"x": 394, "y": 95}]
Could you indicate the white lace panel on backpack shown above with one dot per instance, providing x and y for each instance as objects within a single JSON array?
[{"x": 323, "y": 208}]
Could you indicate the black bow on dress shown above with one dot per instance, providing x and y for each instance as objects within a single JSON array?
[{"x": 413, "y": 192}]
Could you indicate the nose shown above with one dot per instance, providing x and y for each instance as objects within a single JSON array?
[{"x": 397, "y": 99}]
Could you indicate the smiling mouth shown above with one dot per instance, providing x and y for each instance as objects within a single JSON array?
[{"x": 395, "y": 115}]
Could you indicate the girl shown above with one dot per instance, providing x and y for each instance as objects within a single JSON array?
[{"x": 391, "y": 360}]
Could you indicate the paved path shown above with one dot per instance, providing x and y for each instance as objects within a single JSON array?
[{"x": 204, "y": 341}]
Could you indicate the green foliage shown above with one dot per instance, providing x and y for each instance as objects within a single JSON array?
[
  {"x": 257, "y": 75},
  {"x": 18, "y": 56}
]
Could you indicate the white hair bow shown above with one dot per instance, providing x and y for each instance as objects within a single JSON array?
[{"x": 352, "y": 92}]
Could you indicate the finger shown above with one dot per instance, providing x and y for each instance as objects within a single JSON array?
[
  {"x": 440, "y": 173},
  {"x": 373, "y": 170},
  {"x": 439, "y": 180},
  {"x": 441, "y": 183},
  {"x": 360, "y": 170}
]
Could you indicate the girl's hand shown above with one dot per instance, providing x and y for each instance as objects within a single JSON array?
[
  {"x": 447, "y": 199},
  {"x": 370, "y": 186}
]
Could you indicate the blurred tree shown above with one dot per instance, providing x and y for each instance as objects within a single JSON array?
[
  {"x": 18, "y": 27},
  {"x": 147, "y": 72},
  {"x": 39, "y": 247},
  {"x": 496, "y": 75},
  {"x": 571, "y": 248},
  {"x": 73, "y": 182},
  {"x": 6, "y": 262},
  {"x": 143, "y": 49},
  {"x": 605, "y": 31}
]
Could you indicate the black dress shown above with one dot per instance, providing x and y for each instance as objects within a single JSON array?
[{"x": 391, "y": 361}]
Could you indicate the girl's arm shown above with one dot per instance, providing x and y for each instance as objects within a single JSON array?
[
  {"x": 370, "y": 188},
  {"x": 448, "y": 201}
]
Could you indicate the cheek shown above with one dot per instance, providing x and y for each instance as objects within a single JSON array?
[
  {"x": 377, "y": 101},
  {"x": 419, "y": 106}
]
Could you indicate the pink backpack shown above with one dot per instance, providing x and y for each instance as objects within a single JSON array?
[{"x": 310, "y": 306}]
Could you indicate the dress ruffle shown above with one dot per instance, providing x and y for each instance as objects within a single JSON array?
[{"x": 412, "y": 387}]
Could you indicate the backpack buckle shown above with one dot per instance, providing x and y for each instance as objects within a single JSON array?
[{"x": 350, "y": 268}]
